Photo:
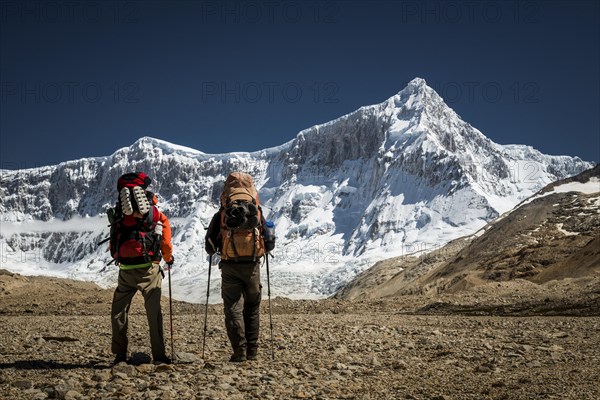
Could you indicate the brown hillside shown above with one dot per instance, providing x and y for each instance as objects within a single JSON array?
[{"x": 553, "y": 236}]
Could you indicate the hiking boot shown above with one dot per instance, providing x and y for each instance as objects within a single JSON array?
[
  {"x": 163, "y": 360},
  {"x": 251, "y": 354},
  {"x": 120, "y": 358},
  {"x": 238, "y": 355},
  {"x": 141, "y": 199},
  {"x": 237, "y": 358}
]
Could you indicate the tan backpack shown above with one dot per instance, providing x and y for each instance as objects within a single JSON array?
[{"x": 241, "y": 216}]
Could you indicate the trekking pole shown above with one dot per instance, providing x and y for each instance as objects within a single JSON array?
[
  {"x": 270, "y": 313},
  {"x": 171, "y": 313},
  {"x": 206, "y": 307}
]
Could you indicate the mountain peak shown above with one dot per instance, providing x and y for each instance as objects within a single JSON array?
[
  {"x": 147, "y": 142},
  {"x": 419, "y": 108},
  {"x": 417, "y": 83},
  {"x": 420, "y": 91},
  {"x": 150, "y": 141}
]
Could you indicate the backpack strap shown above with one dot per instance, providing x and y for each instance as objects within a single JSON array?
[
  {"x": 151, "y": 218},
  {"x": 235, "y": 252},
  {"x": 254, "y": 239}
]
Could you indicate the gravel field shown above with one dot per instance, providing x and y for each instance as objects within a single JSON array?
[{"x": 323, "y": 350}]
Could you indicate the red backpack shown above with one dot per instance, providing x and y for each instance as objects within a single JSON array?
[{"x": 135, "y": 234}]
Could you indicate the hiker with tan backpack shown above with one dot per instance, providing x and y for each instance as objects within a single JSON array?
[{"x": 238, "y": 232}]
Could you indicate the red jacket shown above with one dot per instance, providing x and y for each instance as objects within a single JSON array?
[{"x": 166, "y": 246}]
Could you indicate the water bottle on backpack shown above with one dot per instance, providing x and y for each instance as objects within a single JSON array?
[{"x": 269, "y": 235}]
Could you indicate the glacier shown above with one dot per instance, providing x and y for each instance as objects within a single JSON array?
[{"x": 403, "y": 176}]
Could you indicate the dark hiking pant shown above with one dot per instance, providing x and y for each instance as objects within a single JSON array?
[
  {"x": 241, "y": 292},
  {"x": 148, "y": 281}
]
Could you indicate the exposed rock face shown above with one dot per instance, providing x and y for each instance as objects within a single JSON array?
[
  {"x": 381, "y": 181},
  {"x": 554, "y": 235}
]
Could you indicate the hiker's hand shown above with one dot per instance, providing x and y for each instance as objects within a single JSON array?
[
  {"x": 170, "y": 263},
  {"x": 210, "y": 247}
]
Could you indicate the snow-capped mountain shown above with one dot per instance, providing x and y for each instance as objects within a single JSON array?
[{"x": 402, "y": 176}]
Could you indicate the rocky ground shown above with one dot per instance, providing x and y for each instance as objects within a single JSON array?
[{"x": 55, "y": 343}]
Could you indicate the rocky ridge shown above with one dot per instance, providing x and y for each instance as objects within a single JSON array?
[{"x": 547, "y": 249}]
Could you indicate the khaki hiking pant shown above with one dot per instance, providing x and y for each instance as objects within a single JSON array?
[
  {"x": 241, "y": 292},
  {"x": 147, "y": 280}
]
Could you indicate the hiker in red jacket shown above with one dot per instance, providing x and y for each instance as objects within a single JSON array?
[{"x": 140, "y": 237}]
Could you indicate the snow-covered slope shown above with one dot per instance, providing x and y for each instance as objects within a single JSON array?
[
  {"x": 552, "y": 235},
  {"x": 401, "y": 176}
]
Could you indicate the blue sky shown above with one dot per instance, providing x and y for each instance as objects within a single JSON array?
[{"x": 83, "y": 79}]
